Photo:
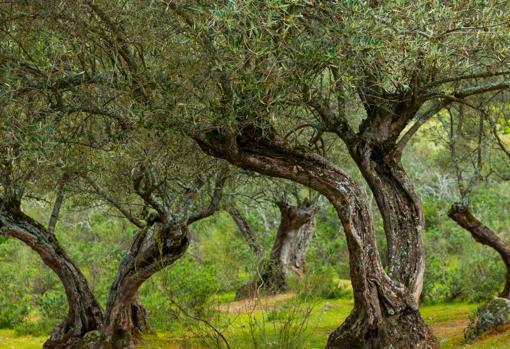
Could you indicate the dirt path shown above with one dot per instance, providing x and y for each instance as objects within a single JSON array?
[
  {"x": 260, "y": 303},
  {"x": 450, "y": 328}
]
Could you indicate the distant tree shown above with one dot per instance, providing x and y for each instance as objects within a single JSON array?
[
  {"x": 290, "y": 245},
  {"x": 166, "y": 176},
  {"x": 475, "y": 144}
]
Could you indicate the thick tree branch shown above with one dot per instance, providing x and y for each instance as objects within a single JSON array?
[
  {"x": 479, "y": 75},
  {"x": 60, "y": 84},
  {"x": 462, "y": 216},
  {"x": 476, "y": 90}
]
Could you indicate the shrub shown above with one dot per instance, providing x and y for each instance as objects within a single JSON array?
[
  {"x": 321, "y": 283},
  {"x": 12, "y": 312},
  {"x": 284, "y": 328}
]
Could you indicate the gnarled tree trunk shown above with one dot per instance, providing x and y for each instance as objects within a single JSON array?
[
  {"x": 84, "y": 313},
  {"x": 272, "y": 277},
  {"x": 400, "y": 207},
  {"x": 292, "y": 219},
  {"x": 462, "y": 216},
  {"x": 153, "y": 249},
  {"x": 385, "y": 313}
]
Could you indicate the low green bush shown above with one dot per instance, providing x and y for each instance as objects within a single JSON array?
[{"x": 321, "y": 283}]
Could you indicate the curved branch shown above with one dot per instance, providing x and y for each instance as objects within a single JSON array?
[{"x": 214, "y": 205}]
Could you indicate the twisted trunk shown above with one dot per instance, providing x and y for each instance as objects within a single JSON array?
[
  {"x": 385, "y": 314},
  {"x": 484, "y": 235},
  {"x": 153, "y": 249},
  {"x": 84, "y": 313},
  {"x": 400, "y": 207}
]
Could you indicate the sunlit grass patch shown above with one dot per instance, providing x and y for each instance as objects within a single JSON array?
[{"x": 9, "y": 340}]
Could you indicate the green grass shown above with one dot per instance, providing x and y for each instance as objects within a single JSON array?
[
  {"x": 8, "y": 340},
  {"x": 447, "y": 320}
]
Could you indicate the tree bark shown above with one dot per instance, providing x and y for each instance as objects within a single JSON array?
[
  {"x": 153, "y": 249},
  {"x": 139, "y": 318},
  {"x": 84, "y": 313},
  {"x": 400, "y": 207},
  {"x": 301, "y": 246},
  {"x": 463, "y": 217},
  {"x": 385, "y": 313}
]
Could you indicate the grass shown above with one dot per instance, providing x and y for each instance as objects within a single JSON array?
[
  {"x": 8, "y": 340},
  {"x": 447, "y": 320}
]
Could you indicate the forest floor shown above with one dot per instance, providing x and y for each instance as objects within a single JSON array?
[{"x": 252, "y": 320}]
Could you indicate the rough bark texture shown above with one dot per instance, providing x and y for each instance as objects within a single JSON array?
[
  {"x": 84, "y": 313},
  {"x": 273, "y": 276},
  {"x": 401, "y": 210},
  {"x": 139, "y": 318},
  {"x": 484, "y": 235},
  {"x": 385, "y": 313},
  {"x": 301, "y": 246},
  {"x": 377, "y": 151},
  {"x": 153, "y": 249}
]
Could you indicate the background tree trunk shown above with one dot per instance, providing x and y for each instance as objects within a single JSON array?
[
  {"x": 385, "y": 313},
  {"x": 84, "y": 313},
  {"x": 301, "y": 246},
  {"x": 462, "y": 216},
  {"x": 273, "y": 274}
]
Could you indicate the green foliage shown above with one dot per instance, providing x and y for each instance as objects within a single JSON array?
[
  {"x": 14, "y": 303},
  {"x": 13, "y": 309},
  {"x": 328, "y": 246},
  {"x": 187, "y": 285},
  {"x": 221, "y": 246},
  {"x": 457, "y": 267},
  {"x": 51, "y": 303}
]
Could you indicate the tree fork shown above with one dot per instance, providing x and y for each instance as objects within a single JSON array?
[{"x": 153, "y": 248}]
